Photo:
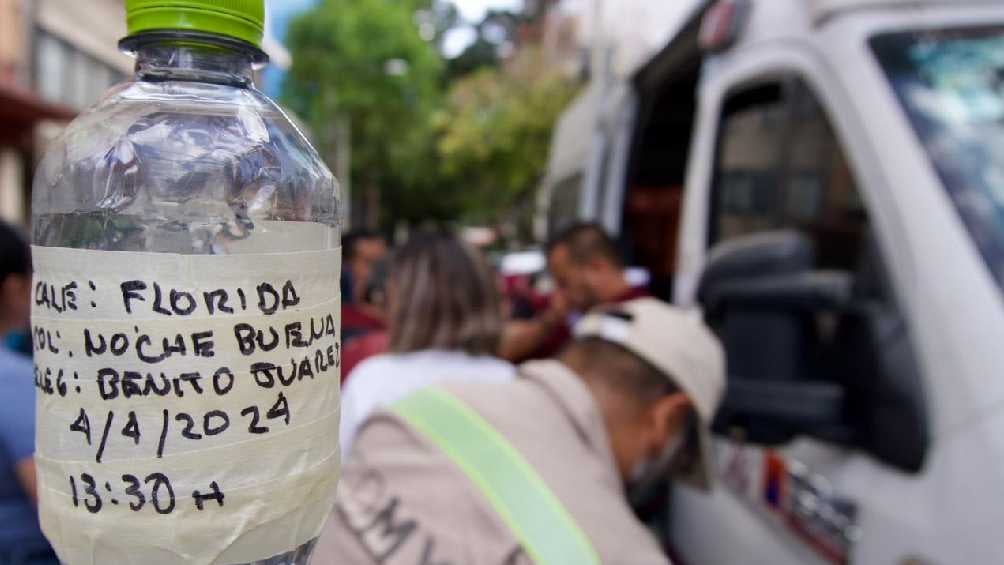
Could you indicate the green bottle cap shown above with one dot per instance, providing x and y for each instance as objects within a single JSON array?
[{"x": 240, "y": 19}]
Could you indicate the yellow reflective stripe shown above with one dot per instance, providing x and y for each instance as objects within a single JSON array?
[{"x": 512, "y": 487}]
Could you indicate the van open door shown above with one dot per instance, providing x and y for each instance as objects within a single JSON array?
[{"x": 643, "y": 202}]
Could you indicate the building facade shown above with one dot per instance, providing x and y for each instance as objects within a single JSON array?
[{"x": 56, "y": 58}]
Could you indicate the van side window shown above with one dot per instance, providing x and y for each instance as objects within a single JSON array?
[
  {"x": 808, "y": 317},
  {"x": 780, "y": 166}
]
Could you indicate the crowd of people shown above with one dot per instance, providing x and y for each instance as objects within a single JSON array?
[
  {"x": 471, "y": 434},
  {"x": 472, "y": 431}
]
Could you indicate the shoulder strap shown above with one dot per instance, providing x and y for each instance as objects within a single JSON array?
[{"x": 515, "y": 491}]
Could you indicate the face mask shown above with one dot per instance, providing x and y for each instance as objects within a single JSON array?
[{"x": 650, "y": 471}]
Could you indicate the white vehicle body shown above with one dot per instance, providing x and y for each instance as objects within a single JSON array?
[{"x": 948, "y": 511}]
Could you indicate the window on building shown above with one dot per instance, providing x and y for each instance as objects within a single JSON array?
[
  {"x": 68, "y": 76},
  {"x": 50, "y": 73},
  {"x": 564, "y": 206}
]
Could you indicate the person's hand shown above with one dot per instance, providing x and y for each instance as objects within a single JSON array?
[
  {"x": 557, "y": 309},
  {"x": 25, "y": 472}
]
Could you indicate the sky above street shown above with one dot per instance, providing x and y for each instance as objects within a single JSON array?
[{"x": 472, "y": 11}]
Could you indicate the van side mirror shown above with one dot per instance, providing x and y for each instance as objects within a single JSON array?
[
  {"x": 806, "y": 355},
  {"x": 761, "y": 296}
]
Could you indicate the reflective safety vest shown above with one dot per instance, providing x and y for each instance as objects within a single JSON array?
[{"x": 541, "y": 524}]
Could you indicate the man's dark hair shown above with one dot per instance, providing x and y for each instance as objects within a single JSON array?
[
  {"x": 15, "y": 255},
  {"x": 596, "y": 360},
  {"x": 586, "y": 241},
  {"x": 351, "y": 239}
]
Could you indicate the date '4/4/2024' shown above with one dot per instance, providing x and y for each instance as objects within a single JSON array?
[{"x": 210, "y": 424}]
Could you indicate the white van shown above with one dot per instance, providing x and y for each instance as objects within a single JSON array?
[{"x": 825, "y": 178}]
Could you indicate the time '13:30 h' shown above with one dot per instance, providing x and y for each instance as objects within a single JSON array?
[{"x": 155, "y": 488}]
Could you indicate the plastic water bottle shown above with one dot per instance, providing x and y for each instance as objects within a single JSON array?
[{"x": 178, "y": 224}]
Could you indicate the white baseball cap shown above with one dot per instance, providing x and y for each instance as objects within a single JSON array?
[{"x": 681, "y": 347}]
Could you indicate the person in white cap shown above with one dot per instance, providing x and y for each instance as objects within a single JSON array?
[{"x": 536, "y": 470}]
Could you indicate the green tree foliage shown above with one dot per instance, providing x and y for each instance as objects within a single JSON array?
[
  {"x": 473, "y": 149},
  {"x": 364, "y": 62},
  {"x": 495, "y": 134}
]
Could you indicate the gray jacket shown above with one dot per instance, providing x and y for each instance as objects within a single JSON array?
[{"x": 402, "y": 502}]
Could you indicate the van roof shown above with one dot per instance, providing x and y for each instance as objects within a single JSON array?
[
  {"x": 823, "y": 9},
  {"x": 769, "y": 19}
]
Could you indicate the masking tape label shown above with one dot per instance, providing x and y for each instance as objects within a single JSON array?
[{"x": 187, "y": 405}]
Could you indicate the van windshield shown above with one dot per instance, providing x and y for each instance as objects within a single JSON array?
[{"x": 951, "y": 84}]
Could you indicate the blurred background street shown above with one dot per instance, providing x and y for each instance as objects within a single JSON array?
[
  {"x": 562, "y": 191},
  {"x": 427, "y": 111}
]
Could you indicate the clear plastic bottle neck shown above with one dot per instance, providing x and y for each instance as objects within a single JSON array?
[{"x": 194, "y": 57}]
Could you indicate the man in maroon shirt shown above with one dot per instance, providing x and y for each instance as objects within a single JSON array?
[{"x": 588, "y": 272}]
